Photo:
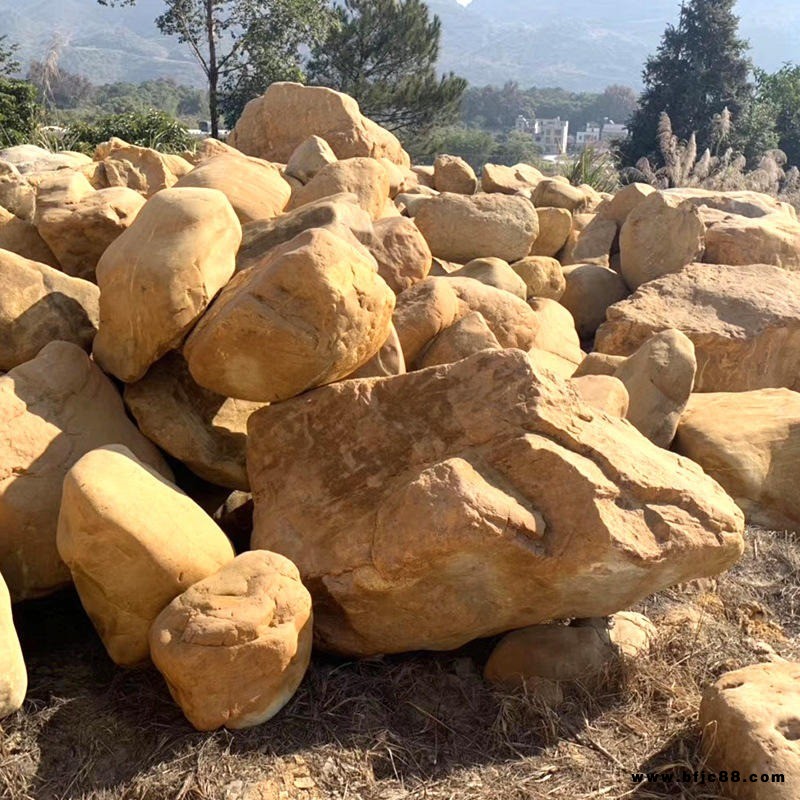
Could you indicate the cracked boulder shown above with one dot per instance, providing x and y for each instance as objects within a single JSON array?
[{"x": 461, "y": 501}]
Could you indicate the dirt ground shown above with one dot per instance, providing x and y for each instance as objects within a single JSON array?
[{"x": 421, "y": 726}]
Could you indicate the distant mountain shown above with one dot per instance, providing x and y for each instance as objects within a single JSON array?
[{"x": 576, "y": 44}]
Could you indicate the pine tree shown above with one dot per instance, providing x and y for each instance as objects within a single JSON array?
[
  {"x": 384, "y": 53},
  {"x": 701, "y": 68}
]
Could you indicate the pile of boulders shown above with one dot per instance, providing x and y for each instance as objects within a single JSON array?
[{"x": 387, "y": 366}]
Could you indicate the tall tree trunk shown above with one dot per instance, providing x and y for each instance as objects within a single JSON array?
[{"x": 213, "y": 69}]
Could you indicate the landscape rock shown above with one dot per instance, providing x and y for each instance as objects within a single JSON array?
[
  {"x": 274, "y": 125},
  {"x": 773, "y": 239},
  {"x": 452, "y": 496},
  {"x": 234, "y": 647},
  {"x": 619, "y": 207},
  {"x": 543, "y": 276},
  {"x": 494, "y": 272},
  {"x": 308, "y": 158},
  {"x": 599, "y": 364},
  {"x": 204, "y": 430},
  {"x": 401, "y": 251},
  {"x": 21, "y": 237},
  {"x": 604, "y": 392},
  {"x": 750, "y": 443},
  {"x": 509, "y": 180},
  {"x": 463, "y": 338},
  {"x": 460, "y": 228},
  {"x": 13, "y": 674},
  {"x": 659, "y": 378},
  {"x": 125, "y": 568},
  {"x": 258, "y": 238},
  {"x": 663, "y": 234},
  {"x": 555, "y": 226},
  {"x": 453, "y": 174},
  {"x": 53, "y": 410},
  {"x": 590, "y": 290},
  {"x": 744, "y": 322},
  {"x": 389, "y": 360},
  {"x": 140, "y": 168},
  {"x": 31, "y": 158},
  {"x": 17, "y": 194},
  {"x": 317, "y": 308},
  {"x": 160, "y": 275},
  {"x": 363, "y": 177},
  {"x": 79, "y": 233},
  {"x": 550, "y": 193},
  {"x": 256, "y": 190},
  {"x": 750, "y": 723},
  {"x": 39, "y": 305},
  {"x": 590, "y": 241}
]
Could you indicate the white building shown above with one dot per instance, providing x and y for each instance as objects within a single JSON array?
[
  {"x": 588, "y": 137},
  {"x": 552, "y": 135}
]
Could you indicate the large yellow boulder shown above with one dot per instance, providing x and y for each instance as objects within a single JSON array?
[
  {"x": 158, "y": 277},
  {"x": 13, "y": 674},
  {"x": 234, "y": 647},
  {"x": 429, "y": 509}
]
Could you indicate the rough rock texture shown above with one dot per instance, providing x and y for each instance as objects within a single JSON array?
[
  {"x": 750, "y": 443},
  {"x": 17, "y": 194},
  {"x": 589, "y": 242},
  {"x": 309, "y": 158},
  {"x": 143, "y": 169},
  {"x": 659, "y": 378},
  {"x": 159, "y": 276},
  {"x": 401, "y": 251},
  {"x": 619, "y": 207},
  {"x": 751, "y": 723},
  {"x": 551, "y": 193},
  {"x": 773, "y": 239},
  {"x": 604, "y": 392},
  {"x": 274, "y": 125},
  {"x": 555, "y": 226},
  {"x": 509, "y": 180},
  {"x": 463, "y": 338},
  {"x": 235, "y": 646},
  {"x": 255, "y": 189},
  {"x": 543, "y": 276},
  {"x": 258, "y": 238},
  {"x": 494, "y": 272},
  {"x": 590, "y": 290},
  {"x": 744, "y": 322},
  {"x": 599, "y": 364},
  {"x": 125, "y": 568},
  {"x": 363, "y": 177},
  {"x": 13, "y": 674},
  {"x": 20, "y": 236},
  {"x": 389, "y": 360},
  {"x": 444, "y": 489},
  {"x": 460, "y": 228},
  {"x": 39, "y": 305},
  {"x": 53, "y": 410},
  {"x": 206, "y": 431},
  {"x": 317, "y": 308},
  {"x": 662, "y": 234},
  {"x": 79, "y": 233},
  {"x": 453, "y": 174},
  {"x": 31, "y": 158}
]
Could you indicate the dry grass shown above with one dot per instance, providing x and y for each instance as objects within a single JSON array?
[{"x": 422, "y": 726}]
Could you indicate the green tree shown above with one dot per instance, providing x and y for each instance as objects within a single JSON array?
[
  {"x": 384, "y": 53},
  {"x": 8, "y": 63},
  {"x": 701, "y": 67},
  {"x": 778, "y": 101},
  {"x": 19, "y": 111},
  {"x": 241, "y": 43}
]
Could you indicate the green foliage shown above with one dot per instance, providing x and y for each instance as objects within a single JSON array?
[
  {"x": 241, "y": 45},
  {"x": 147, "y": 129},
  {"x": 498, "y": 108},
  {"x": 778, "y": 101},
  {"x": 8, "y": 63},
  {"x": 384, "y": 53},
  {"x": 19, "y": 111},
  {"x": 184, "y": 102},
  {"x": 596, "y": 168},
  {"x": 476, "y": 146},
  {"x": 701, "y": 67}
]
